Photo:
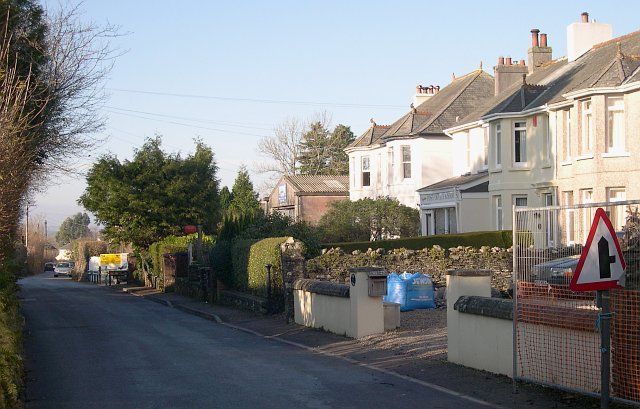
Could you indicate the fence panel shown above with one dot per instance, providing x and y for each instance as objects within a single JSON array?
[{"x": 556, "y": 341}]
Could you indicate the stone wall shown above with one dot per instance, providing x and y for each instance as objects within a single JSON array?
[{"x": 333, "y": 264}]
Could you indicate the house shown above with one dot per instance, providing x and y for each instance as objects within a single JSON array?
[
  {"x": 306, "y": 197},
  {"x": 565, "y": 133},
  {"x": 396, "y": 160}
]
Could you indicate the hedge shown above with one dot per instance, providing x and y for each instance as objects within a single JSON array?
[
  {"x": 174, "y": 244},
  {"x": 249, "y": 260},
  {"x": 501, "y": 238}
]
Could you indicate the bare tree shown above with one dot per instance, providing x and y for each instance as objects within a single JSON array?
[
  {"x": 282, "y": 149},
  {"x": 49, "y": 104}
]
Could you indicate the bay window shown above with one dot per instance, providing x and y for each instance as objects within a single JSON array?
[{"x": 615, "y": 125}]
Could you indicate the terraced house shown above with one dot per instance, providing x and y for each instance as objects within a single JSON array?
[
  {"x": 561, "y": 131},
  {"x": 396, "y": 160}
]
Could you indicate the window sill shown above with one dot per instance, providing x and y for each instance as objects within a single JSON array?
[
  {"x": 616, "y": 155},
  {"x": 496, "y": 170},
  {"x": 566, "y": 163},
  {"x": 520, "y": 166},
  {"x": 546, "y": 165},
  {"x": 585, "y": 157}
]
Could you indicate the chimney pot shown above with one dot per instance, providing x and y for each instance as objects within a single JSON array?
[
  {"x": 501, "y": 60},
  {"x": 585, "y": 17},
  {"x": 534, "y": 37},
  {"x": 418, "y": 89},
  {"x": 543, "y": 40},
  {"x": 437, "y": 88},
  {"x": 507, "y": 61},
  {"x": 522, "y": 63}
]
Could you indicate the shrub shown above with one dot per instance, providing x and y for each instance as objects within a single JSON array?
[
  {"x": 174, "y": 244},
  {"x": 502, "y": 238},
  {"x": 221, "y": 262},
  {"x": 368, "y": 218},
  {"x": 263, "y": 252}
]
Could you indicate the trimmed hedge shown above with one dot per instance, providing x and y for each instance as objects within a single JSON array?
[
  {"x": 240, "y": 264},
  {"x": 501, "y": 238}
]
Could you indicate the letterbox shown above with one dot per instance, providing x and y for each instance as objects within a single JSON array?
[{"x": 377, "y": 280}]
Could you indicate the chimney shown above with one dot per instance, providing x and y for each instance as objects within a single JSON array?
[
  {"x": 539, "y": 53},
  {"x": 424, "y": 93},
  {"x": 583, "y": 35},
  {"x": 507, "y": 73}
]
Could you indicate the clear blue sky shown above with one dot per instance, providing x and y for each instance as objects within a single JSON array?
[{"x": 333, "y": 52}]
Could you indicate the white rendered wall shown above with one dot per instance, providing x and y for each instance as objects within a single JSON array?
[{"x": 582, "y": 36}]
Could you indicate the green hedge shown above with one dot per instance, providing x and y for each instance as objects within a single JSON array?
[
  {"x": 174, "y": 244},
  {"x": 502, "y": 238}
]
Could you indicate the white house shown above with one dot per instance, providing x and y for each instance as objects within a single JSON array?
[{"x": 398, "y": 159}]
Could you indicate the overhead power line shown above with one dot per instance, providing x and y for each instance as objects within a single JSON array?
[{"x": 257, "y": 100}]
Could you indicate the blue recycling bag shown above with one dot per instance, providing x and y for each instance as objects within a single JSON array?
[
  {"x": 396, "y": 290},
  {"x": 420, "y": 294}
]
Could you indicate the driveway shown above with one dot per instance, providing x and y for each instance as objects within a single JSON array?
[{"x": 91, "y": 347}]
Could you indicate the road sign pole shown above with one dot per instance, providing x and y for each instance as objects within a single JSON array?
[{"x": 604, "y": 324}]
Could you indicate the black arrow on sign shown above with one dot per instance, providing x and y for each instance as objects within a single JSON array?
[{"x": 604, "y": 259}]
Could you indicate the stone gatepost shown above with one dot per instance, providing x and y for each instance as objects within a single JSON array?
[{"x": 293, "y": 268}]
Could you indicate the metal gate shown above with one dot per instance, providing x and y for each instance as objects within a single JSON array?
[{"x": 556, "y": 340}]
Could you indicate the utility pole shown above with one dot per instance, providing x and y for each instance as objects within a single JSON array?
[
  {"x": 26, "y": 230},
  {"x": 45, "y": 228}
]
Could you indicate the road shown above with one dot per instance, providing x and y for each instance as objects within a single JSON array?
[{"x": 92, "y": 347}]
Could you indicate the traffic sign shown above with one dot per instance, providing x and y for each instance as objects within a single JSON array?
[{"x": 601, "y": 265}]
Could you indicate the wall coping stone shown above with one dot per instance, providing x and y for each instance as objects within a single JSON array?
[
  {"x": 469, "y": 273},
  {"x": 322, "y": 287},
  {"x": 486, "y": 306}
]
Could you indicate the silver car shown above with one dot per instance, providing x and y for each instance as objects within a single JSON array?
[{"x": 62, "y": 269}]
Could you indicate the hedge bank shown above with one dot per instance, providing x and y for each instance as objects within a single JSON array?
[{"x": 501, "y": 238}]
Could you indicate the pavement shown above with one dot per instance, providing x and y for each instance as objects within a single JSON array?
[{"x": 89, "y": 346}]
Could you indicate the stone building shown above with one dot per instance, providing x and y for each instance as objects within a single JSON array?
[{"x": 306, "y": 197}]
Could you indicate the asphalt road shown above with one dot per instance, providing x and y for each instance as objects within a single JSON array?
[{"x": 92, "y": 347}]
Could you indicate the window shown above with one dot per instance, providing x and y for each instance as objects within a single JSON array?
[
  {"x": 546, "y": 160},
  {"x": 569, "y": 216},
  {"x": 586, "y": 196},
  {"x": 615, "y": 125},
  {"x": 550, "y": 224},
  {"x": 520, "y": 201},
  {"x": 406, "y": 162},
  {"x": 497, "y": 204},
  {"x": 566, "y": 135},
  {"x": 366, "y": 171},
  {"x": 522, "y": 219},
  {"x": 520, "y": 143},
  {"x": 498, "y": 145},
  {"x": 617, "y": 214},
  {"x": 587, "y": 131},
  {"x": 486, "y": 148}
]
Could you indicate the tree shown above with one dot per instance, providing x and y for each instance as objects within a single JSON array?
[
  {"x": 51, "y": 71},
  {"x": 282, "y": 149},
  {"x": 225, "y": 200},
  {"x": 73, "y": 227},
  {"x": 154, "y": 195},
  {"x": 244, "y": 200},
  {"x": 315, "y": 149},
  {"x": 368, "y": 219},
  {"x": 340, "y": 138}
]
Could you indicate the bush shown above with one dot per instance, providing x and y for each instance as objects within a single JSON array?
[
  {"x": 263, "y": 252},
  {"x": 364, "y": 219},
  {"x": 502, "y": 238},
  {"x": 174, "y": 244},
  {"x": 221, "y": 262}
]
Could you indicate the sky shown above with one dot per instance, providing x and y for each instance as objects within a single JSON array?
[{"x": 229, "y": 71}]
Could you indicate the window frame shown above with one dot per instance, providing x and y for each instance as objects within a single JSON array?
[
  {"x": 566, "y": 135},
  {"x": 610, "y": 145},
  {"x": 367, "y": 171},
  {"x": 520, "y": 148},
  {"x": 569, "y": 216},
  {"x": 498, "y": 212},
  {"x": 406, "y": 148},
  {"x": 498, "y": 145},
  {"x": 587, "y": 126},
  {"x": 613, "y": 213},
  {"x": 486, "y": 139}
]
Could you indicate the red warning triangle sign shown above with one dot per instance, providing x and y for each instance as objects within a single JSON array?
[{"x": 601, "y": 265}]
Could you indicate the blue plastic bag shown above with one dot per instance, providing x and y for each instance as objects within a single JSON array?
[
  {"x": 396, "y": 290},
  {"x": 419, "y": 292}
]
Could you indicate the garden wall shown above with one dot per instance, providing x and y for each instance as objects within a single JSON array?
[{"x": 333, "y": 265}]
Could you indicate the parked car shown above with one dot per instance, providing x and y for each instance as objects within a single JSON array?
[
  {"x": 558, "y": 271},
  {"x": 49, "y": 267},
  {"x": 62, "y": 269}
]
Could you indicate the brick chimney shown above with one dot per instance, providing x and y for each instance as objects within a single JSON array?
[
  {"x": 538, "y": 53},
  {"x": 584, "y": 34},
  {"x": 507, "y": 73},
  {"x": 424, "y": 93}
]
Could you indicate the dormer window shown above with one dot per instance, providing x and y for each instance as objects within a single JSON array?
[{"x": 520, "y": 143}]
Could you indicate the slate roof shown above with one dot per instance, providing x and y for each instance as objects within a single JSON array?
[
  {"x": 612, "y": 63},
  {"x": 441, "y": 111},
  {"x": 458, "y": 181},
  {"x": 320, "y": 183},
  {"x": 372, "y": 136}
]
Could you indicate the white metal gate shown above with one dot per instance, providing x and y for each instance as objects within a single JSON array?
[{"x": 556, "y": 341}]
